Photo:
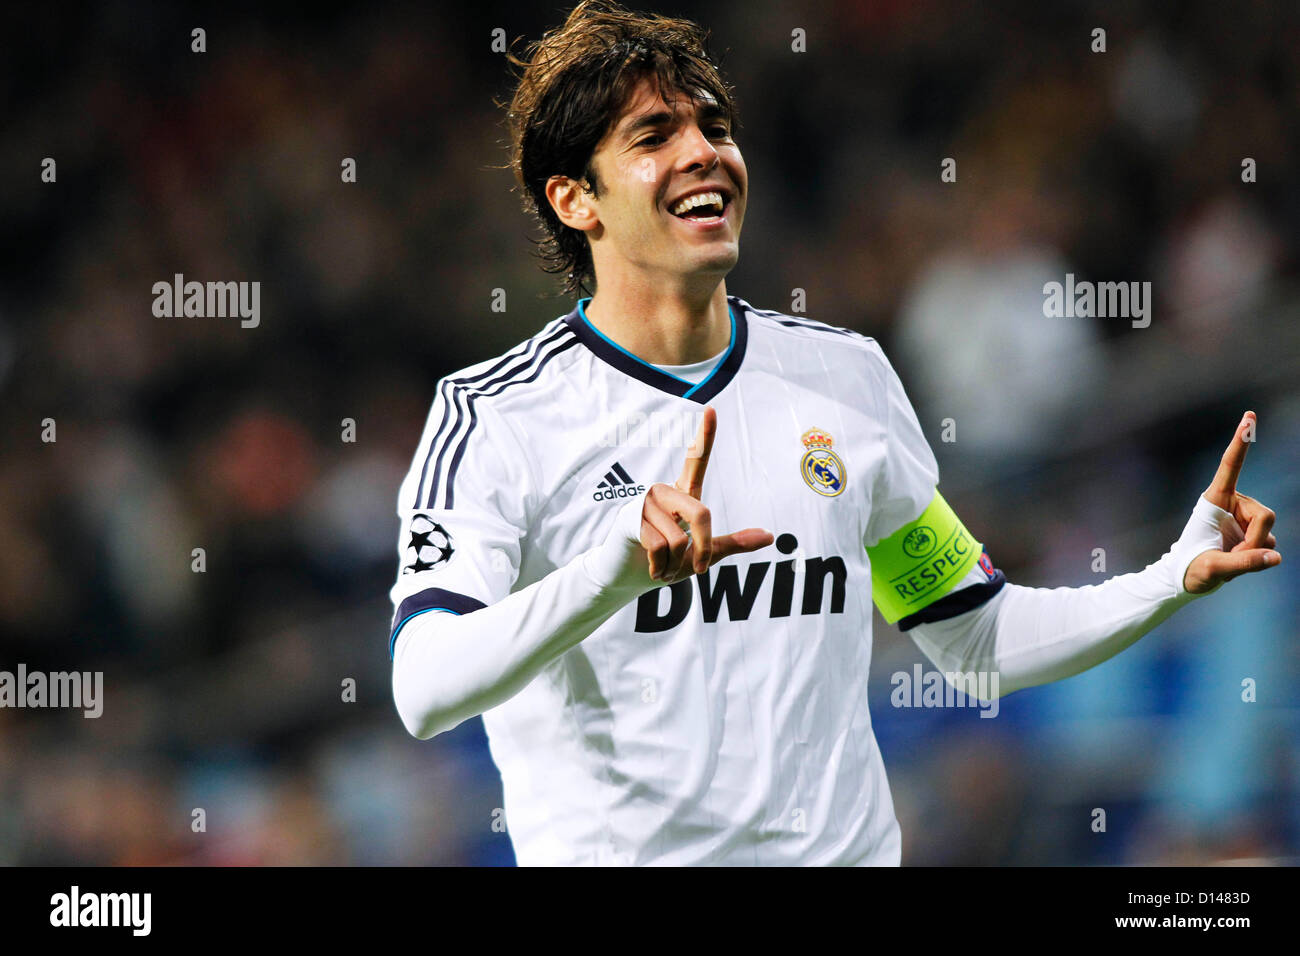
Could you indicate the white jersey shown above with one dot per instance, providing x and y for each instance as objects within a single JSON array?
[{"x": 723, "y": 719}]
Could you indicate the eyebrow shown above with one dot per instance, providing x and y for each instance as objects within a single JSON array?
[{"x": 710, "y": 110}]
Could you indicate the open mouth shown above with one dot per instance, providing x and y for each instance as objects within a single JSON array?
[{"x": 703, "y": 208}]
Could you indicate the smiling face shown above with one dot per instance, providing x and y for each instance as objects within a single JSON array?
[{"x": 670, "y": 196}]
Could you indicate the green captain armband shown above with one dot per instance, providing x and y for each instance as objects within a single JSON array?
[{"x": 921, "y": 561}]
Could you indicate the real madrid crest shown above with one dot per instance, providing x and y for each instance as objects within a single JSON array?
[{"x": 821, "y": 468}]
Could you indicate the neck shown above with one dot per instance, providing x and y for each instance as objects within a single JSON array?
[{"x": 663, "y": 327}]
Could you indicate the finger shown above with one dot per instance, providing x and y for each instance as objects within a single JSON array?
[
  {"x": 740, "y": 542},
  {"x": 701, "y": 538},
  {"x": 1269, "y": 542},
  {"x": 677, "y": 542},
  {"x": 696, "y": 516},
  {"x": 1224, "y": 484},
  {"x": 1255, "y": 519},
  {"x": 691, "y": 480},
  {"x": 655, "y": 544},
  {"x": 1224, "y": 566}
]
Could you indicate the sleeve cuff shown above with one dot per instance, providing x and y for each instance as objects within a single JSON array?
[
  {"x": 430, "y": 599},
  {"x": 1210, "y": 528}
]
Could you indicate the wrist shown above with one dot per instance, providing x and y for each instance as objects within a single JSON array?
[
  {"x": 619, "y": 562},
  {"x": 1210, "y": 528}
]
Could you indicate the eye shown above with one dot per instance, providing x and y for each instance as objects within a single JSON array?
[
  {"x": 646, "y": 140},
  {"x": 719, "y": 129}
]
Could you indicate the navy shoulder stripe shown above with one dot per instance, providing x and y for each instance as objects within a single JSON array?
[
  {"x": 522, "y": 364},
  {"x": 457, "y": 395},
  {"x": 519, "y": 350},
  {"x": 811, "y": 325},
  {"x": 470, "y": 396}
]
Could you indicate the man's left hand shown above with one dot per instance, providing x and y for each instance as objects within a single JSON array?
[{"x": 1255, "y": 551}]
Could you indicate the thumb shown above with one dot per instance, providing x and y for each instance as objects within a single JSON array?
[{"x": 1226, "y": 565}]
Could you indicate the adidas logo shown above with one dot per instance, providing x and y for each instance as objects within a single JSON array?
[{"x": 617, "y": 483}]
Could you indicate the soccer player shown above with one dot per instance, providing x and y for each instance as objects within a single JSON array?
[{"x": 658, "y": 687}]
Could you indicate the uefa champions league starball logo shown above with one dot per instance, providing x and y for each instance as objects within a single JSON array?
[{"x": 429, "y": 546}]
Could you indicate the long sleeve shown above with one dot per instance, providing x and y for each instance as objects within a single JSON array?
[
  {"x": 449, "y": 666},
  {"x": 1030, "y": 636}
]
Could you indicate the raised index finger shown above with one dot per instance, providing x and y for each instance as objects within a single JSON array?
[
  {"x": 1225, "y": 479},
  {"x": 697, "y": 456}
]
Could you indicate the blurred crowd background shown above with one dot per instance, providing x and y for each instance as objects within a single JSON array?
[{"x": 223, "y": 688}]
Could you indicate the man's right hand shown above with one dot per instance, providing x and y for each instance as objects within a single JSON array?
[{"x": 677, "y": 529}]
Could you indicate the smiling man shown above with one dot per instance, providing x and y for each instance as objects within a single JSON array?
[{"x": 655, "y": 688}]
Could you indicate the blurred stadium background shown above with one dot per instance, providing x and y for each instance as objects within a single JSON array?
[{"x": 223, "y": 688}]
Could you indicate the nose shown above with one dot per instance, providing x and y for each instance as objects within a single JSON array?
[{"x": 697, "y": 151}]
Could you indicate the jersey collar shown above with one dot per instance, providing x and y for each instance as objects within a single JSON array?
[{"x": 638, "y": 368}]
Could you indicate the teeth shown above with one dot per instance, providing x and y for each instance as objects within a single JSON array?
[{"x": 699, "y": 199}]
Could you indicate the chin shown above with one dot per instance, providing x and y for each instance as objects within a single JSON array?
[{"x": 718, "y": 262}]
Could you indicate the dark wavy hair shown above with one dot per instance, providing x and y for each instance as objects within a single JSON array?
[{"x": 571, "y": 87}]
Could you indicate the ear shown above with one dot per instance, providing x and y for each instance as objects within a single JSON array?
[{"x": 572, "y": 203}]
